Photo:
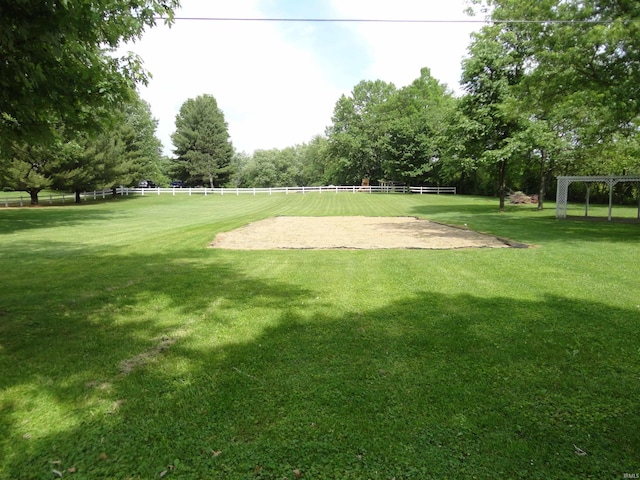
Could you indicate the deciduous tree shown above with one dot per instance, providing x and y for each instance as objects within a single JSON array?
[
  {"x": 412, "y": 132},
  {"x": 583, "y": 54},
  {"x": 489, "y": 76},
  {"x": 355, "y": 138},
  {"x": 300, "y": 165},
  {"x": 54, "y": 63}
]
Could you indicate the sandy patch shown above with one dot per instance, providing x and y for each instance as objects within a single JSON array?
[{"x": 352, "y": 233}]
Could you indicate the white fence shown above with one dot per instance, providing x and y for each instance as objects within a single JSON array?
[
  {"x": 50, "y": 199},
  {"x": 286, "y": 190},
  {"x": 437, "y": 190},
  {"x": 257, "y": 191}
]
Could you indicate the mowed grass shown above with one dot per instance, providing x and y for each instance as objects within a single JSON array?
[{"x": 128, "y": 349}]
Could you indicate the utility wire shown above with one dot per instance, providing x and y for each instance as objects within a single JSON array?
[{"x": 380, "y": 20}]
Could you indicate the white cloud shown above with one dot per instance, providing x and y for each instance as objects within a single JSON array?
[{"x": 278, "y": 83}]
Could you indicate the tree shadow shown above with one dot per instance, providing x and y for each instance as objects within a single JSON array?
[
  {"x": 13, "y": 220},
  {"x": 68, "y": 338},
  {"x": 428, "y": 386}
]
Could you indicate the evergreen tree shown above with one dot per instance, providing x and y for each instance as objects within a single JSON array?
[{"x": 202, "y": 145}]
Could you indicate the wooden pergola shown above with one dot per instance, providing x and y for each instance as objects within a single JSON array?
[{"x": 610, "y": 180}]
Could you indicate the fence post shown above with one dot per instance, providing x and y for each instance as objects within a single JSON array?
[
  {"x": 254, "y": 191},
  {"x": 21, "y": 200},
  {"x": 205, "y": 191}
]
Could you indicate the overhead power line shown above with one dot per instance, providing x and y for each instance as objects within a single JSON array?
[{"x": 380, "y": 20}]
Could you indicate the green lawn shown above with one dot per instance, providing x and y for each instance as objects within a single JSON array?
[{"x": 128, "y": 350}]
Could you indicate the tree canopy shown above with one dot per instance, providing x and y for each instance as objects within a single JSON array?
[
  {"x": 550, "y": 88},
  {"x": 413, "y": 131},
  {"x": 300, "y": 165},
  {"x": 55, "y": 66},
  {"x": 583, "y": 54},
  {"x": 384, "y": 133},
  {"x": 121, "y": 154},
  {"x": 354, "y": 137}
]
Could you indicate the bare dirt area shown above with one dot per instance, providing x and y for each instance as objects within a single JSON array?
[{"x": 352, "y": 233}]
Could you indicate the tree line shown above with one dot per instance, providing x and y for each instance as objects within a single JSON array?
[{"x": 550, "y": 88}]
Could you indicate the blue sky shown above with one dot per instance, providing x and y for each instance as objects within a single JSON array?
[
  {"x": 277, "y": 83},
  {"x": 337, "y": 47}
]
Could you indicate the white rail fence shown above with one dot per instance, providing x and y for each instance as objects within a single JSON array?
[
  {"x": 258, "y": 191},
  {"x": 436, "y": 190},
  {"x": 287, "y": 190},
  {"x": 50, "y": 199},
  {"x": 57, "y": 198}
]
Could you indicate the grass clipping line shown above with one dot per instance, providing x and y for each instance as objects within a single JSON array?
[
  {"x": 357, "y": 233},
  {"x": 129, "y": 365}
]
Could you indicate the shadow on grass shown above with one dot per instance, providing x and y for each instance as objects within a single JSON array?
[
  {"x": 427, "y": 387},
  {"x": 14, "y": 220},
  {"x": 67, "y": 335}
]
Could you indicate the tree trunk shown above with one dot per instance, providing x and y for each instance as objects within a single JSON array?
[
  {"x": 502, "y": 169},
  {"x": 78, "y": 197},
  {"x": 543, "y": 176},
  {"x": 211, "y": 180},
  {"x": 461, "y": 180},
  {"x": 34, "y": 197}
]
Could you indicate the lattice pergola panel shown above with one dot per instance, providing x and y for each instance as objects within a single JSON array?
[{"x": 610, "y": 180}]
